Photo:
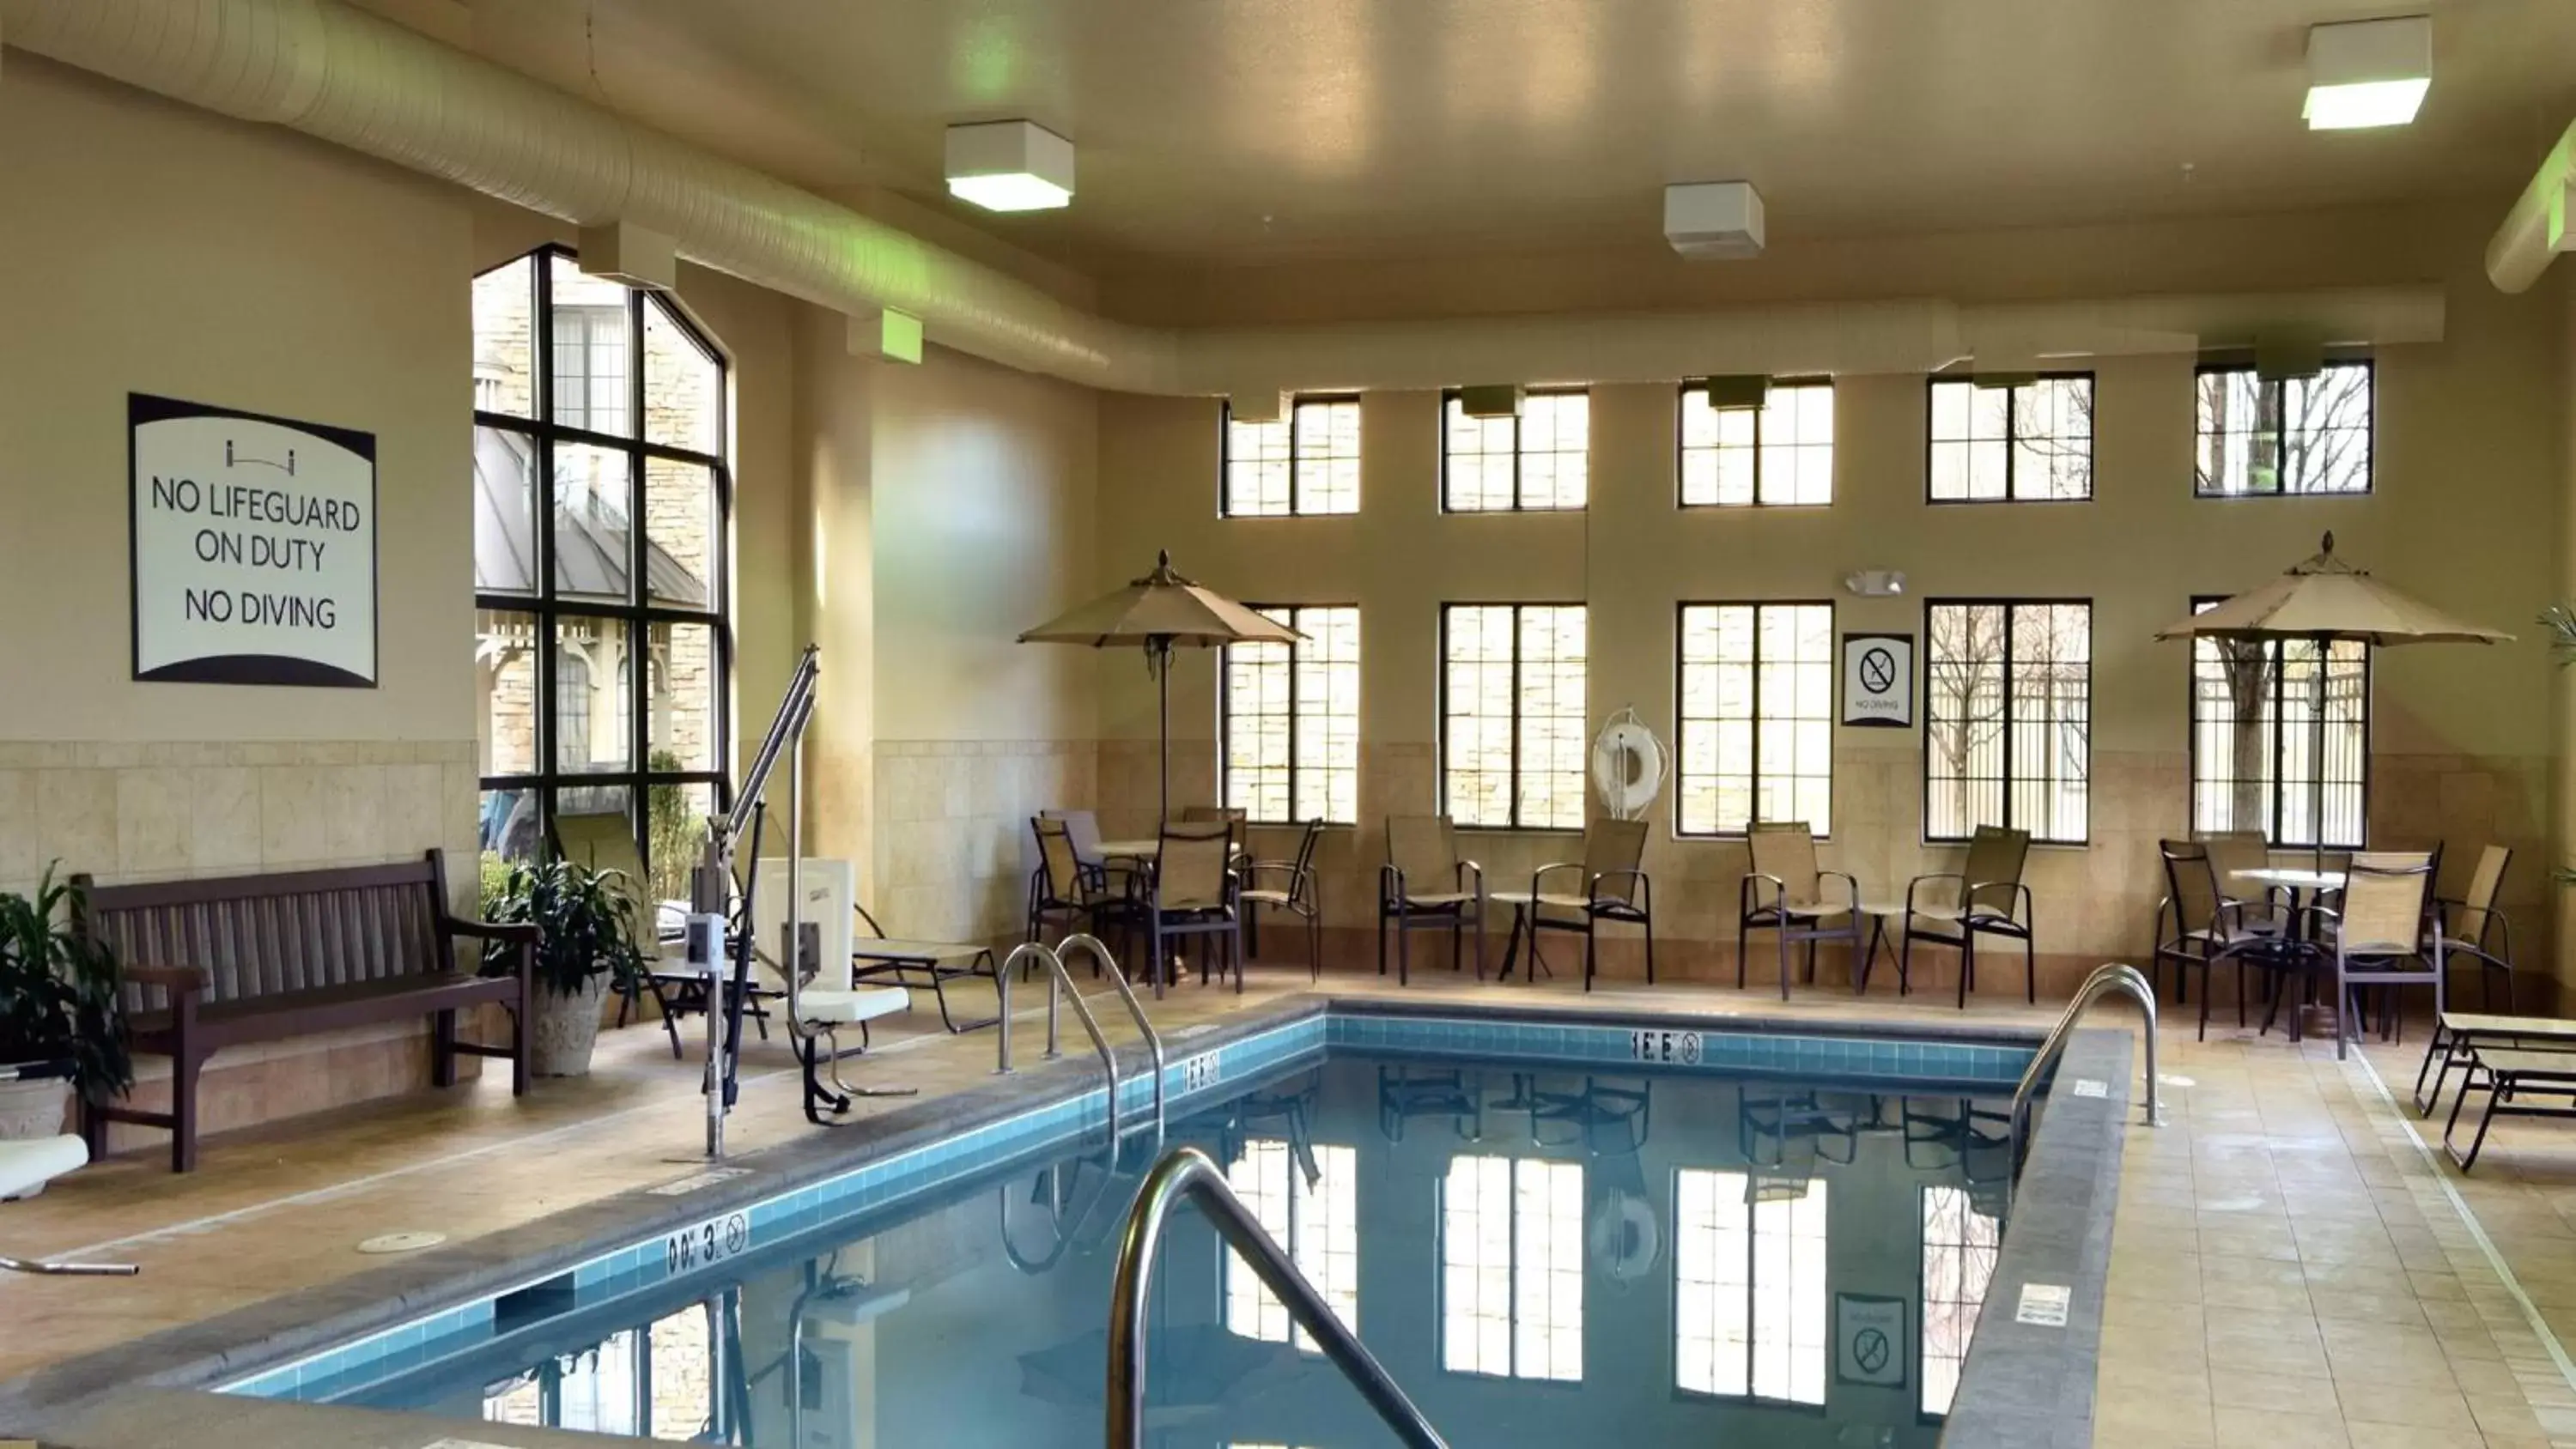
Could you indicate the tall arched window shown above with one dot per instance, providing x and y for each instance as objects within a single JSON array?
[{"x": 601, "y": 502}]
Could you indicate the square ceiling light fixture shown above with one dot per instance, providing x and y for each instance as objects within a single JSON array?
[
  {"x": 1010, "y": 166},
  {"x": 2368, "y": 72}
]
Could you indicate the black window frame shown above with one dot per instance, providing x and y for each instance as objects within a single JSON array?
[
  {"x": 1225, "y": 714},
  {"x": 2012, "y": 607},
  {"x": 1681, "y": 611},
  {"x": 2275, "y": 812},
  {"x": 546, "y": 611},
  {"x": 2092, "y": 442},
  {"x": 2369, "y": 443},
  {"x": 1452, "y": 395},
  {"x": 1440, "y": 760},
  {"x": 1225, "y": 458},
  {"x": 1681, "y": 447}
]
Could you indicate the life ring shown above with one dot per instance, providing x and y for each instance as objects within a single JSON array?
[
  {"x": 1625, "y": 1239},
  {"x": 1627, "y": 767}
]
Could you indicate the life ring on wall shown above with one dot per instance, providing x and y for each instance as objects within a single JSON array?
[
  {"x": 1627, "y": 766},
  {"x": 1625, "y": 1238}
]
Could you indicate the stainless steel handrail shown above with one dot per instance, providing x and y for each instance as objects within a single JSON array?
[
  {"x": 2110, "y": 977},
  {"x": 1188, "y": 1172},
  {"x": 1135, "y": 1010},
  {"x": 1081, "y": 1013}
]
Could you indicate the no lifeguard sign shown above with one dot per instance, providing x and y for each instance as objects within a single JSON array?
[
  {"x": 254, "y": 547},
  {"x": 1878, "y": 680}
]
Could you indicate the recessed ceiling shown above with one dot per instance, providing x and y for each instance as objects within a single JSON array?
[{"x": 1261, "y": 130}]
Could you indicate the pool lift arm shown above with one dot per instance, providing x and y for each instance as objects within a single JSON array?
[{"x": 716, "y": 944}]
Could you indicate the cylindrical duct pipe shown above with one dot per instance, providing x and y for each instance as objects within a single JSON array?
[{"x": 2523, "y": 247}]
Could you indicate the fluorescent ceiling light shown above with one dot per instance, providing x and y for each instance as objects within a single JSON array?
[
  {"x": 2365, "y": 73},
  {"x": 1010, "y": 166}
]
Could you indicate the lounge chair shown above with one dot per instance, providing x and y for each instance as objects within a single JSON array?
[{"x": 1784, "y": 893}]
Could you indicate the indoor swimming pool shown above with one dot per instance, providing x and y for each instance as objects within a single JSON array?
[{"x": 1540, "y": 1252}]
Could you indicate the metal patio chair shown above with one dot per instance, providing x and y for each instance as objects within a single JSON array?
[
  {"x": 2472, "y": 927},
  {"x": 1784, "y": 893},
  {"x": 1295, "y": 893},
  {"x": 1424, "y": 885},
  {"x": 1615, "y": 888},
  {"x": 2208, "y": 927},
  {"x": 2377, "y": 936},
  {"x": 1986, "y": 898},
  {"x": 1191, "y": 893}
]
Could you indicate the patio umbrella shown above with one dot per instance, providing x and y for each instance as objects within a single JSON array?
[
  {"x": 2325, "y": 599},
  {"x": 1159, "y": 613}
]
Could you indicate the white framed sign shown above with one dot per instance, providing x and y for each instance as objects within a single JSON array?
[
  {"x": 252, "y": 547},
  {"x": 1869, "y": 1340},
  {"x": 1878, "y": 680}
]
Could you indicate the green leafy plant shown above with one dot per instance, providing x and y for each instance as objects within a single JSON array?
[
  {"x": 2560, "y": 621},
  {"x": 673, "y": 832},
  {"x": 584, "y": 918},
  {"x": 58, "y": 992}
]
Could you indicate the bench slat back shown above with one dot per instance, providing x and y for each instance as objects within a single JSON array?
[{"x": 265, "y": 935}]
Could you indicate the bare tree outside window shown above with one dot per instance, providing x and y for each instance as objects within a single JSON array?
[
  {"x": 1513, "y": 718},
  {"x": 2007, "y": 718},
  {"x": 1291, "y": 718},
  {"x": 2284, "y": 436},
  {"x": 2254, "y": 763},
  {"x": 2031, "y": 443}
]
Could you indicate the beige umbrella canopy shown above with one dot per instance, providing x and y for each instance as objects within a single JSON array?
[
  {"x": 2323, "y": 599},
  {"x": 1158, "y": 613},
  {"x": 2326, "y": 598}
]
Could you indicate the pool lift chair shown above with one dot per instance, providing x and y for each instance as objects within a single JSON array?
[{"x": 720, "y": 934}]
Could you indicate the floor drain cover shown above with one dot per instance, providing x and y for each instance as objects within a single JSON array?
[{"x": 402, "y": 1242}]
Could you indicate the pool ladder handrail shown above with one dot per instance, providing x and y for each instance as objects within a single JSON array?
[
  {"x": 1060, "y": 986},
  {"x": 2107, "y": 978},
  {"x": 1188, "y": 1172}
]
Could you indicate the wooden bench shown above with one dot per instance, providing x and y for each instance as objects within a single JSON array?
[{"x": 220, "y": 962}]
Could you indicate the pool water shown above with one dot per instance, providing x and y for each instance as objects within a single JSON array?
[{"x": 1539, "y": 1257}]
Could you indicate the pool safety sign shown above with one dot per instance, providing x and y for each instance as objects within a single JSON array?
[
  {"x": 1869, "y": 1340},
  {"x": 1878, "y": 680},
  {"x": 253, "y": 547}
]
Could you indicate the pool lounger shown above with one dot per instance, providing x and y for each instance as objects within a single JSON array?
[
  {"x": 2457, "y": 1035},
  {"x": 2509, "y": 1075},
  {"x": 923, "y": 963}
]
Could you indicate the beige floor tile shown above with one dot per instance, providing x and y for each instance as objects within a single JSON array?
[{"x": 2279, "y": 1429}]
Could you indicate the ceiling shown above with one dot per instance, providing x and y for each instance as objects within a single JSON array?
[{"x": 1214, "y": 131}]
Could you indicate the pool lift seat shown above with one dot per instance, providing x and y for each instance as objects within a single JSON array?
[{"x": 25, "y": 1167}]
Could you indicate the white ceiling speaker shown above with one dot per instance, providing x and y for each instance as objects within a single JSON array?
[
  {"x": 1713, "y": 221},
  {"x": 2368, "y": 72},
  {"x": 1010, "y": 166}
]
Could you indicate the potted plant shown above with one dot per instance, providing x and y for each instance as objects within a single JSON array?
[
  {"x": 59, "y": 1013},
  {"x": 586, "y": 944}
]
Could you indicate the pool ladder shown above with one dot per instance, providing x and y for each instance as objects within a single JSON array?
[
  {"x": 1060, "y": 987},
  {"x": 2111, "y": 977},
  {"x": 1188, "y": 1172}
]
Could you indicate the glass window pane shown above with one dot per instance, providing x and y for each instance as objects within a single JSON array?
[
  {"x": 594, "y": 541},
  {"x": 683, "y": 1360},
  {"x": 505, "y": 672},
  {"x": 682, "y": 664},
  {"x": 592, "y": 689},
  {"x": 681, "y": 536},
  {"x": 505, "y": 378},
  {"x": 509, "y": 828},
  {"x": 593, "y": 369},
  {"x": 675, "y": 829},
  {"x": 505, "y": 521},
  {"x": 1256, "y": 469},
  {"x": 683, "y": 384}
]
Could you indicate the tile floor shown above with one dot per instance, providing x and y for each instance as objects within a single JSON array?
[{"x": 2289, "y": 1267}]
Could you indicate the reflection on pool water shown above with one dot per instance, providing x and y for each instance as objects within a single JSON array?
[{"x": 1538, "y": 1257}]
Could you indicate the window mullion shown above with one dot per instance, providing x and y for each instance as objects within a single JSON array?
[
  {"x": 1512, "y": 811},
  {"x": 1296, "y": 618},
  {"x": 1519, "y": 501},
  {"x": 1296, "y": 476},
  {"x": 1753, "y": 799},
  {"x": 2012, "y": 618}
]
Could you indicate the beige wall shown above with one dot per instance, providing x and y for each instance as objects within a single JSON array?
[{"x": 2467, "y": 469}]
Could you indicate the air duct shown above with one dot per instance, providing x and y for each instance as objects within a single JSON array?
[
  {"x": 2537, "y": 229},
  {"x": 340, "y": 74}
]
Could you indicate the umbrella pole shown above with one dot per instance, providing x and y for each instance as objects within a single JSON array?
[{"x": 1162, "y": 650}]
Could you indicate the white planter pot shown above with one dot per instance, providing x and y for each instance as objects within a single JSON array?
[
  {"x": 565, "y": 1029},
  {"x": 33, "y": 1109}
]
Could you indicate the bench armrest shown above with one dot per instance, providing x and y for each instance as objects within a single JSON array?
[
  {"x": 517, "y": 933},
  {"x": 171, "y": 978}
]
